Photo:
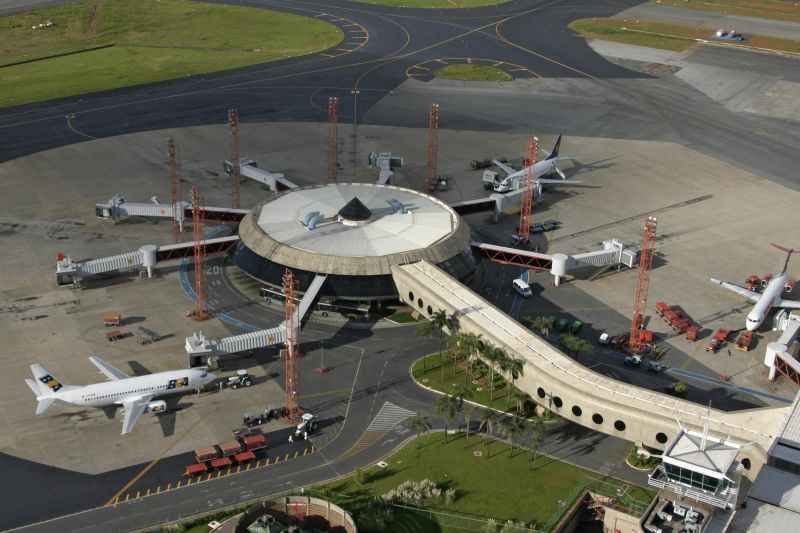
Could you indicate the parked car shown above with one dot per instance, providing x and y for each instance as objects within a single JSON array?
[
  {"x": 728, "y": 35},
  {"x": 633, "y": 360}
]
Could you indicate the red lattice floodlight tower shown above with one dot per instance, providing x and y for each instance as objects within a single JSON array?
[
  {"x": 526, "y": 206},
  {"x": 233, "y": 122},
  {"x": 175, "y": 190},
  {"x": 641, "y": 339},
  {"x": 433, "y": 148},
  {"x": 200, "y": 311},
  {"x": 333, "y": 142},
  {"x": 291, "y": 351}
]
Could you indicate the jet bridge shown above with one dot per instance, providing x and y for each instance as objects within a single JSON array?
[
  {"x": 144, "y": 259},
  {"x": 202, "y": 350},
  {"x": 117, "y": 208},
  {"x": 781, "y": 354},
  {"x": 612, "y": 253}
]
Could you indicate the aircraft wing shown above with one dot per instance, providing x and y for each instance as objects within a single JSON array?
[
  {"x": 134, "y": 408},
  {"x": 110, "y": 372},
  {"x": 788, "y": 304},
  {"x": 505, "y": 168},
  {"x": 741, "y": 291}
]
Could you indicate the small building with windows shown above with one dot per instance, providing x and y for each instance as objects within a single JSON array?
[{"x": 696, "y": 466}]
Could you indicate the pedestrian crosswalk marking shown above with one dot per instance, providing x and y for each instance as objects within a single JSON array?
[{"x": 389, "y": 416}]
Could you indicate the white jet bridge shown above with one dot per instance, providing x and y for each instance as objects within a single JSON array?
[
  {"x": 144, "y": 259},
  {"x": 118, "y": 208},
  {"x": 200, "y": 349},
  {"x": 612, "y": 253}
]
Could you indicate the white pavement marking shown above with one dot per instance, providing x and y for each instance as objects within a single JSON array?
[{"x": 388, "y": 417}]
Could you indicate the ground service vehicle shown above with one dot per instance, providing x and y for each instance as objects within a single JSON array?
[
  {"x": 241, "y": 379},
  {"x": 522, "y": 288}
]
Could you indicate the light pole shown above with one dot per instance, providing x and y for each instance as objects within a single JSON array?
[{"x": 355, "y": 93}]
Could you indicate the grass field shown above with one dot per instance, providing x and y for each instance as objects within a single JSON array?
[
  {"x": 428, "y": 371},
  {"x": 539, "y": 493},
  {"x": 153, "y": 40},
  {"x": 670, "y": 36},
  {"x": 472, "y": 72},
  {"x": 788, "y": 10},
  {"x": 434, "y": 3}
]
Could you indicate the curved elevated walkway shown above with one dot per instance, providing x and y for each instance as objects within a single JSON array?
[{"x": 576, "y": 393}]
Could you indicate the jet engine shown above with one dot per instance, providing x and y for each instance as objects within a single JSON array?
[{"x": 158, "y": 406}]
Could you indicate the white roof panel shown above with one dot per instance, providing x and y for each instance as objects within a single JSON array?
[{"x": 384, "y": 233}]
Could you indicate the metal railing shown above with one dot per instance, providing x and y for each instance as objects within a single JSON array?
[{"x": 658, "y": 478}]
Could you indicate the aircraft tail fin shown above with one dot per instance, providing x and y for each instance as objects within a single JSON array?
[
  {"x": 44, "y": 381},
  {"x": 556, "y": 148}
]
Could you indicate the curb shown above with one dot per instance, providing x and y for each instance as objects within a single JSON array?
[{"x": 474, "y": 404}]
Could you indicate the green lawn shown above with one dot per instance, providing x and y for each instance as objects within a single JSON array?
[
  {"x": 472, "y": 72},
  {"x": 784, "y": 10},
  {"x": 539, "y": 493},
  {"x": 434, "y": 3},
  {"x": 428, "y": 371},
  {"x": 153, "y": 40},
  {"x": 665, "y": 36}
]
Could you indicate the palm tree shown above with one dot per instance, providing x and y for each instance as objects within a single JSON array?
[
  {"x": 468, "y": 411},
  {"x": 461, "y": 393},
  {"x": 487, "y": 425},
  {"x": 535, "y": 433},
  {"x": 519, "y": 399},
  {"x": 420, "y": 425},
  {"x": 510, "y": 427},
  {"x": 497, "y": 357},
  {"x": 448, "y": 407},
  {"x": 515, "y": 367},
  {"x": 459, "y": 347},
  {"x": 473, "y": 345}
]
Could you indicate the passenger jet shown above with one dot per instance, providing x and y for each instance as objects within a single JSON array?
[
  {"x": 771, "y": 297},
  {"x": 544, "y": 167},
  {"x": 134, "y": 394}
]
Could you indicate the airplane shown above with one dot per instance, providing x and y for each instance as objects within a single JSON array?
[
  {"x": 543, "y": 167},
  {"x": 771, "y": 297},
  {"x": 134, "y": 394}
]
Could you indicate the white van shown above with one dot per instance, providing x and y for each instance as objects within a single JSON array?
[{"x": 522, "y": 288}]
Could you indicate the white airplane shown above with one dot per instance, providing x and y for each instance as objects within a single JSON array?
[
  {"x": 134, "y": 394},
  {"x": 771, "y": 297},
  {"x": 543, "y": 167}
]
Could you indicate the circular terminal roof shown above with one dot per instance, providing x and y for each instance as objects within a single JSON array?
[{"x": 354, "y": 229}]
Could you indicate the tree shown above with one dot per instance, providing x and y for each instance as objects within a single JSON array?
[
  {"x": 487, "y": 425},
  {"x": 448, "y": 407},
  {"x": 575, "y": 345},
  {"x": 461, "y": 393},
  {"x": 541, "y": 324},
  {"x": 679, "y": 387},
  {"x": 519, "y": 398},
  {"x": 515, "y": 367},
  {"x": 534, "y": 434},
  {"x": 497, "y": 358},
  {"x": 473, "y": 346},
  {"x": 468, "y": 410},
  {"x": 420, "y": 425},
  {"x": 511, "y": 427}
]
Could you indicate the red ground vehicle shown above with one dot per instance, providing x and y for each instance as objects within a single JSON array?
[
  {"x": 717, "y": 340},
  {"x": 224, "y": 455},
  {"x": 744, "y": 341}
]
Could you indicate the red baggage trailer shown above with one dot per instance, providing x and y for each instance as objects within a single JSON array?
[
  {"x": 222, "y": 462},
  {"x": 195, "y": 470},
  {"x": 243, "y": 457}
]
